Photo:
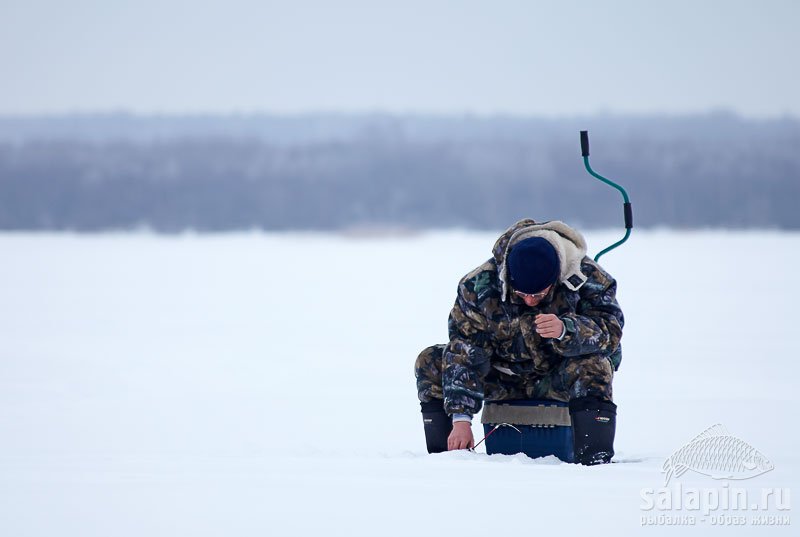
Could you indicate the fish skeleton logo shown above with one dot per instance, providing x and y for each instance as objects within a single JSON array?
[{"x": 718, "y": 454}]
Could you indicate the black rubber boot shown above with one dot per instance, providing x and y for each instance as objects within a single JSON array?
[
  {"x": 594, "y": 422},
  {"x": 437, "y": 425}
]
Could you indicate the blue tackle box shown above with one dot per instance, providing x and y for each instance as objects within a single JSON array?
[{"x": 537, "y": 428}]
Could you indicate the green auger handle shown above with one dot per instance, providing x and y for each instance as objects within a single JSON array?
[{"x": 627, "y": 208}]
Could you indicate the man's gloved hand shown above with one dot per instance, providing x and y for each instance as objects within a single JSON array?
[
  {"x": 461, "y": 436},
  {"x": 549, "y": 325}
]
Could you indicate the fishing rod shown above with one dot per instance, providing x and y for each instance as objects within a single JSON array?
[{"x": 626, "y": 205}]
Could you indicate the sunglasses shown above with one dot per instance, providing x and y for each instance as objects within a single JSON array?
[{"x": 538, "y": 295}]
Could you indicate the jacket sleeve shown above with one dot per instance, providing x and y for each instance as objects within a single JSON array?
[
  {"x": 467, "y": 355},
  {"x": 596, "y": 325}
]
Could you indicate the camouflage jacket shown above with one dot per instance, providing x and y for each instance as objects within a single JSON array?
[{"x": 492, "y": 330}]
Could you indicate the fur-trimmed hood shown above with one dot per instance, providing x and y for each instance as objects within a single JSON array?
[{"x": 569, "y": 244}]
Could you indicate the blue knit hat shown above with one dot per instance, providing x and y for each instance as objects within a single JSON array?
[{"x": 532, "y": 265}]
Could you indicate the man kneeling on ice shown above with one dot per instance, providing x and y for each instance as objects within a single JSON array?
[{"x": 539, "y": 320}]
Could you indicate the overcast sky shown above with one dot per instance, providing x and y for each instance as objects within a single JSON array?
[{"x": 482, "y": 57}]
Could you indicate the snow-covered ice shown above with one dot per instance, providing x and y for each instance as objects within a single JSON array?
[{"x": 262, "y": 384}]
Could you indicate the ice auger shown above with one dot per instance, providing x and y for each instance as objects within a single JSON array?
[{"x": 626, "y": 205}]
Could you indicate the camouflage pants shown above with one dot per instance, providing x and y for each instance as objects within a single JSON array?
[{"x": 572, "y": 378}]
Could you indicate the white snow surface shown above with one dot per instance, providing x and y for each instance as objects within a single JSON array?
[{"x": 262, "y": 384}]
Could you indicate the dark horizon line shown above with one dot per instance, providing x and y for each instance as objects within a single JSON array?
[{"x": 378, "y": 230}]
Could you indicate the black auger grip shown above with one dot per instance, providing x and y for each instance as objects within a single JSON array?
[
  {"x": 585, "y": 143},
  {"x": 628, "y": 214}
]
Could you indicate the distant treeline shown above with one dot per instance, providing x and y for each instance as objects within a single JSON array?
[{"x": 338, "y": 172}]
